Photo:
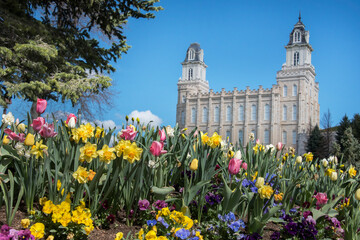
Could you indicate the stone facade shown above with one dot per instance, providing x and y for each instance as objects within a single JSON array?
[{"x": 284, "y": 113}]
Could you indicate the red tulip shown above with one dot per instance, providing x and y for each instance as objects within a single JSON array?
[
  {"x": 38, "y": 123},
  {"x": 41, "y": 106},
  {"x": 156, "y": 148},
  {"x": 234, "y": 166},
  {"x": 244, "y": 166}
]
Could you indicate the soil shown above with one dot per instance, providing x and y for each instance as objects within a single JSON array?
[{"x": 117, "y": 226}]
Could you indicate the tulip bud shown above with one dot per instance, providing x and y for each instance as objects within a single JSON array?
[
  {"x": 279, "y": 146},
  {"x": 234, "y": 166},
  {"x": 138, "y": 120},
  {"x": 194, "y": 164},
  {"x": 29, "y": 140},
  {"x": 298, "y": 159},
  {"x": 72, "y": 122},
  {"x": 21, "y": 127},
  {"x": 244, "y": 166},
  {"x": 127, "y": 118},
  {"x": 357, "y": 194},
  {"x": 333, "y": 176},
  {"x": 312, "y": 168},
  {"x": 6, "y": 140},
  {"x": 237, "y": 154},
  {"x": 324, "y": 162},
  {"x": 259, "y": 182}
]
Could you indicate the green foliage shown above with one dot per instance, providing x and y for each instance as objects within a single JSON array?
[
  {"x": 351, "y": 151},
  {"x": 52, "y": 57},
  {"x": 355, "y": 125},
  {"x": 344, "y": 124},
  {"x": 315, "y": 143}
]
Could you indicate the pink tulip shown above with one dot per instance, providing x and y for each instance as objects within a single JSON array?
[
  {"x": 38, "y": 123},
  {"x": 279, "y": 146},
  {"x": 48, "y": 131},
  {"x": 321, "y": 199},
  {"x": 257, "y": 141},
  {"x": 244, "y": 166},
  {"x": 234, "y": 166},
  {"x": 69, "y": 117},
  {"x": 129, "y": 133},
  {"x": 41, "y": 106},
  {"x": 13, "y": 136},
  {"x": 156, "y": 148},
  {"x": 162, "y": 135}
]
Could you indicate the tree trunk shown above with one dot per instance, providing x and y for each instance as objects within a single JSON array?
[{"x": 33, "y": 112}]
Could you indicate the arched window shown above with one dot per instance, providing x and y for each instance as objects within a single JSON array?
[
  {"x": 266, "y": 136},
  {"x": 285, "y": 91},
  {"x": 284, "y": 137},
  {"x": 241, "y": 137},
  {"x": 253, "y": 112},
  {"x": 241, "y": 113},
  {"x": 284, "y": 113},
  {"x": 228, "y": 114},
  {"x": 193, "y": 115},
  {"x": 294, "y": 112},
  {"x": 296, "y": 58},
  {"x": 294, "y": 90},
  {"x": 228, "y": 136},
  {"x": 216, "y": 114},
  {"x": 205, "y": 115},
  {"x": 297, "y": 37},
  {"x": 294, "y": 135},
  {"x": 183, "y": 118},
  {"x": 267, "y": 112},
  {"x": 190, "y": 73},
  {"x": 183, "y": 99},
  {"x": 191, "y": 54}
]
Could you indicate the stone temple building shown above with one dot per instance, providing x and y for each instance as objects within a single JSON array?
[{"x": 285, "y": 113}]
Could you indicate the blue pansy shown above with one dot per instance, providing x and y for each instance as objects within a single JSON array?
[
  {"x": 151, "y": 223},
  {"x": 182, "y": 233}
]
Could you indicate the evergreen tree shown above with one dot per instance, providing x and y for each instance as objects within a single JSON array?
[
  {"x": 355, "y": 125},
  {"x": 326, "y": 124},
  {"x": 55, "y": 56},
  {"x": 351, "y": 152},
  {"x": 315, "y": 143},
  {"x": 344, "y": 124}
]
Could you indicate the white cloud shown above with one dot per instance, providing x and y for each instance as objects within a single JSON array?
[
  {"x": 106, "y": 124},
  {"x": 146, "y": 117}
]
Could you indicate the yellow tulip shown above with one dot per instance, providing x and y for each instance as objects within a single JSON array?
[
  {"x": 6, "y": 140},
  {"x": 259, "y": 182},
  {"x": 21, "y": 127},
  {"x": 298, "y": 160},
  {"x": 357, "y": 194},
  {"x": 194, "y": 164},
  {"x": 29, "y": 140}
]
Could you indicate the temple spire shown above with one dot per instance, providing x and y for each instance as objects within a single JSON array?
[{"x": 299, "y": 16}]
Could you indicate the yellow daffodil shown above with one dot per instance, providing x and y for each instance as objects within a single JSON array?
[
  {"x": 215, "y": 140},
  {"x": 120, "y": 147},
  {"x": 352, "y": 172},
  {"x": 38, "y": 149},
  {"x": 265, "y": 192},
  {"x": 88, "y": 152},
  {"x": 106, "y": 154},
  {"x": 81, "y": 175},
  {"x": 132, "y": 153}
]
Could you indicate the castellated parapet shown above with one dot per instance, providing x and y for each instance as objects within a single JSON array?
[{"x": 284, "y": 113}]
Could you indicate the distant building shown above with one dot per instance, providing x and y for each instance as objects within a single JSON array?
[{"x": 283, "y": 113}]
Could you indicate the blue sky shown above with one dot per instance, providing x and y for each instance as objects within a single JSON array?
[{"x": 243, "y": 44}]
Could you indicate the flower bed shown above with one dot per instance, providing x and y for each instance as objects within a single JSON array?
[{"x": 175, "y": 184}]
